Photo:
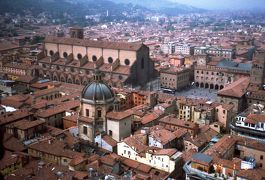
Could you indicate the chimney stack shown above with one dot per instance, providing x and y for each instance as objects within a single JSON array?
[{"x": 77, "y": 32}]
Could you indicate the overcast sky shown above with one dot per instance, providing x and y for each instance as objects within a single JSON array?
[{"x": 225, "y": 4}]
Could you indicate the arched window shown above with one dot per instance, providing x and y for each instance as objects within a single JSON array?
[
  {"x": 65, "y": 54},
  {"x": 94, "y": 58},
  {"x": 127, "y": 62},
  {"x": 79, "y": 56},
  {"x": 216, "y": 86},
  {"x": 110, "y": 60},
  {"x": 51, "y": 52}
]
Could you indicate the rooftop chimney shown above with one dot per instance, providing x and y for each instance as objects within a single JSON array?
[{"x": 77, "y": 32}]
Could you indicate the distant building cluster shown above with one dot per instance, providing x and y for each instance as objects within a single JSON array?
[{"x": 167, "y": 98}]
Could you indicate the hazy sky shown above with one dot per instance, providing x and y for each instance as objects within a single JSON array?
[{"x": 225, "y": 4}]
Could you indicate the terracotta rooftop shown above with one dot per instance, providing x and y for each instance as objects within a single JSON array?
[
  {"x": 187, "y": 155},
  {"x": 110, "y": 140},
  {"x": 46, "y": 92},
  {"x": 68, "y": 105},
  {"x": 237, "y": 89},
  {"x": 149, "y": 118},
  {"x": 72, "y": 118},
  {"x": 250, "y": 143},
  {"x": 54, "y": 147},
  {"x": 96, "y": 44},
  {"x": 10, "y": 159},
  {"x": 164, "y": 136},
  {"x": 14, "y": 116},
  {"x": 13, "y": 144},
  {"x": 199, "y": 141},
  {"x": 77, "y": 160},
  {"x": 167, "y": 152},
  {"x": 137, "y": 144},
  {"x": 180, "y": 133},
  {"x": 136, "y": 165},
  {"x": 119, "y": 115},
  {"x": 8, "y": 45},
  {"x": 80, "y": 175},
  {"x": 227, "y": 106},
  {"x": 177, "y": 122},
  {"x": 257, "y": 174},
  {"x": 85, "y": 119},
  {"x": 255, "y": 118},
  {"x": 49, "y": 171},
  {"x": 222, "y": 146},
  {"x": 41, "y": 85},
  {"x": 26, "y": 124}
]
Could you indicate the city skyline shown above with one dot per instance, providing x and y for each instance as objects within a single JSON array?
[{"x": 132, "y": 89}]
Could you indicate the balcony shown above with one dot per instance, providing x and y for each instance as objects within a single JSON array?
[
  {"x": 242, "y": 124},
  {"x": 252, "y": 133}
]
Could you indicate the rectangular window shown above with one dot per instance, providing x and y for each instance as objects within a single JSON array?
[
  {"x": 84, "y": 129},
  {"x": 261, "y": 157},
  {"x": 87, "y": 112},
  {"x": 99, "y": 113},
  {"x": 110, "y": 132}
]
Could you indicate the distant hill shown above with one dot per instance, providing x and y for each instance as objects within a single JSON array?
[
  {"x": 71, "y": 11},
  {"x": 163, "y": 6},
  {"x": 74, "y": 11}
]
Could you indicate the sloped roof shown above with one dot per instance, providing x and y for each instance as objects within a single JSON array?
[
  {"x": 96, "y": 44},
  {"x": 236, "y": 89},
  {"x": 229, "y": 64}
]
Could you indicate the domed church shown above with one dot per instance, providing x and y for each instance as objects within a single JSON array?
[{"x": 97, "y": 99}]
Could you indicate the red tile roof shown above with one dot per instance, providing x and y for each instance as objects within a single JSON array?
[
  {"x": 58, "y": 109},
  {"x": 237, "y": 89},
  {"x": 149, "y": 118},
  {"x": 168, "y": 152},
  {"x": 14, "y": 116},
  {"x": 13, "y": 144},
  {"x": 109, "y": 140},
  {"x": 119, "y": 115},
  {"x": 164, "y": 136},
  {"x": 255, "y": 118},
  {"x": 97, "y": 44},
  {"x": 26, "y": 124}
]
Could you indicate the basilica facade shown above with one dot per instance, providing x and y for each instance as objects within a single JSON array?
[{"x": 73, "y": 60}]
